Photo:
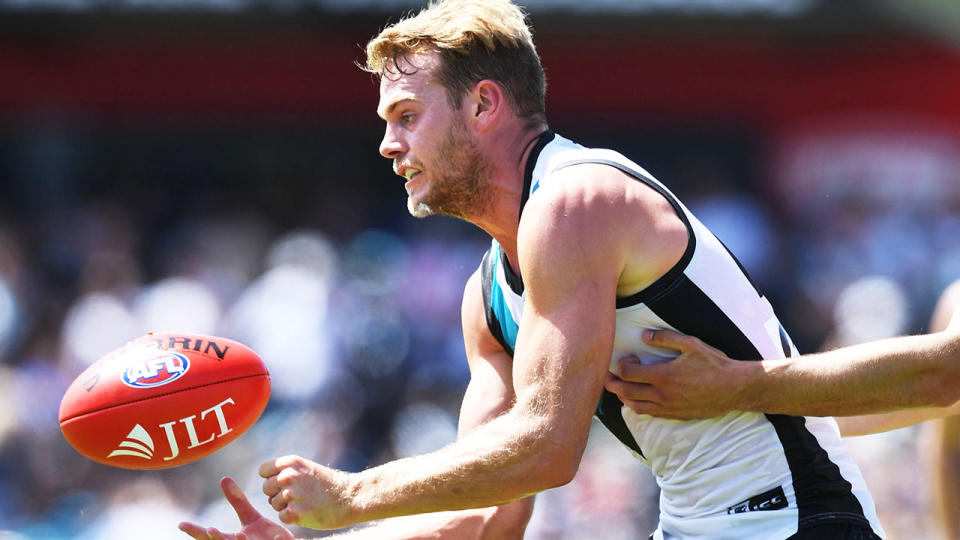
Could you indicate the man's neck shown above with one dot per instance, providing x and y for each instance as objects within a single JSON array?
[{"x": 503, "y": 219}]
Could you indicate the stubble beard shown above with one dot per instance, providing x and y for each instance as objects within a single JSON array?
[{"x": 459, "y": 189}]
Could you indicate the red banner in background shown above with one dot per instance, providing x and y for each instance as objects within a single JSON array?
[{"x": 765, "y": 81}]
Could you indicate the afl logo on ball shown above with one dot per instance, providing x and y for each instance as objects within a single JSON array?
[{"x": 157, "y": 371}]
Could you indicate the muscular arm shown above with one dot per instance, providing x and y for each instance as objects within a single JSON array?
[
  {"x": 489, "y": 395},
  {"x": 566, "y": 333},
  {"x": 876, "y": 377},
  {"x": 572, "y": 245}
]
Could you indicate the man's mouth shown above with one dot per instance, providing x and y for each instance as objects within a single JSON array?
[{"x": 410, "y": 172}]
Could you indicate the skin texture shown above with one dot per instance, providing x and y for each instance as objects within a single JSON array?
[
  {"x": 920, "y": 373},
  {"x": 253, "y": 524},
  {"x": 870, "y": 378},
  {"x": 525, "y": 420},
  {"x": 944, "y": 437}
]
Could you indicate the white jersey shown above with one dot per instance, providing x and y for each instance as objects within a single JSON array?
[{"x": 744, "y": 475}]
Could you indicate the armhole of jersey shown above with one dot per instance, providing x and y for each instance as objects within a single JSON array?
[
  {"x": 663, "y": 284},
  {"x": 488, "y": 270}
]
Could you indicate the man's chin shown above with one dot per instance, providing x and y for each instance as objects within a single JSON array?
[{"x": 419, "y": 209}]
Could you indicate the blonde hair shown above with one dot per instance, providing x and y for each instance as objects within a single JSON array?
[{"x": 477, "y": 40}]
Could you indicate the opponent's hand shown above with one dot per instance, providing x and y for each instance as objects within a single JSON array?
[
  {"x": 253, "y": 526},
  {"x": 307, "y": 493},
  {"x": 699, "y": 383}
]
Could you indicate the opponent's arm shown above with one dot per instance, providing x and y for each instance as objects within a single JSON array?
[
  {"x": 875, "y": 377},
  {"x": 876, "y": 423}
]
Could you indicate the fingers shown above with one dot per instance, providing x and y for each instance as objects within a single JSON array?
[
  {"x": 194, "y": 530},
  {"x": 214, "y": 534},
  {"x": 628, "y": 387},
  {"x": 631, "y": 369},
  {"x": 234, "y": 495},
  {"x": 668, "y": 339},
  {"x": 271, "y": 486},
  {"x": 642, "y": 398},
  {"x": 274, "y": 466},
  {"x": 280, "y": 500},
  {"x": 288, "y": 516},
  {"x": 205, "y": 533}
]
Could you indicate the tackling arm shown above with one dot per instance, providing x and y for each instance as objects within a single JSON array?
[
  {"x": 876, "y": 377},
  {"x": 875, "y": 423}
]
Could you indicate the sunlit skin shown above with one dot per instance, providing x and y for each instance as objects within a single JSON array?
[
  {"x": 456, "y": 162},
  {"x": 525, "y": 419},
  {"x": 432, "y": 149}
]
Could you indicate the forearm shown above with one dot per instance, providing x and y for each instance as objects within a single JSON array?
[
  {"x": 876, "y": 377},
  {"x": 867, "y": 424},
  {"x": 506, "y": 459},
  {"x": 505, "y": 522}
]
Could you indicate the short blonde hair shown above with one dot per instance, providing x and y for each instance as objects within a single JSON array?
[{"x": 477, "y": 40}]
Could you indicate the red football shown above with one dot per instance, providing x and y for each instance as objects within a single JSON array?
[{"x": 164, "y": 400}]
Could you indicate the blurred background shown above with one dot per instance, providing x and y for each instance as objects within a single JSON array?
[{"x": 210, "y": 166}]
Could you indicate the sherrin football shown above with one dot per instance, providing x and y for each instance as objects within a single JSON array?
[{"x": 164, "y": 400}]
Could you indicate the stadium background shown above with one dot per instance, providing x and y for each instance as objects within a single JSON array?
[{"x": 210, "y": 166}]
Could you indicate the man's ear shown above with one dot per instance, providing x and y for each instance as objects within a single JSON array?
[{"x": 488, "y": 102}]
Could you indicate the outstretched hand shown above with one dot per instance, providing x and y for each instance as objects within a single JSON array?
[
  {"x": 253, "y": 526},
  {"x": 701, "y": 382}
]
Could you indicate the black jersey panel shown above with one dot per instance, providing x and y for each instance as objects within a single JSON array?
[
  {"x": 820, "y": 489},
  {"x": 819, "y": 486},
  {"x": 609, "y": 414}
]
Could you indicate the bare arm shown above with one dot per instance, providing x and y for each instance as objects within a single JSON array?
[
  {"x": 876, "y": 377},
  {"x": 562, "y": 349},
  {"x": 489, "y": 395},
  {"x": 576, "y": 242},
  {"x": 875, "y": 423},
  {"x": 572, "y": 245},
  {"x": 945, "y": 437}
]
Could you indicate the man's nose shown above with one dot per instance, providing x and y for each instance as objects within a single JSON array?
[{"x": 391, "y": 147}]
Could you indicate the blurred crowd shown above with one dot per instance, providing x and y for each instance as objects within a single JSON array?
[{"x": 852, "y": 231}]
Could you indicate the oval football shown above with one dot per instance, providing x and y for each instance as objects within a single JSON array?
[{"x": 164, "y": 400}]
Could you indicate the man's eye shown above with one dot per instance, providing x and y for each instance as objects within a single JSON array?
[{"x": 406, "y": 118}]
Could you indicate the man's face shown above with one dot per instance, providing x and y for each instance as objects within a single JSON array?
[{"x": 430, "y": 143}]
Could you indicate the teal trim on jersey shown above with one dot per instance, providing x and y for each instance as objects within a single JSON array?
[{"x": 500, "y": 309}]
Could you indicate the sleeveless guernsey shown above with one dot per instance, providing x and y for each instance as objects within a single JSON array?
[{"x": 740, "y": 476}]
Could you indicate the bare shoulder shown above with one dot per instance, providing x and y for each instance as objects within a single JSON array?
[{"x": 610, "y": 215}]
